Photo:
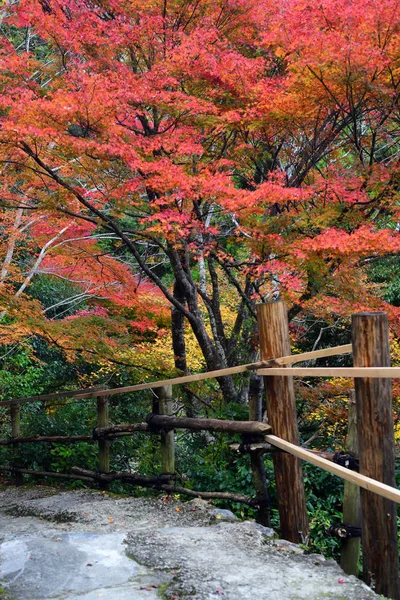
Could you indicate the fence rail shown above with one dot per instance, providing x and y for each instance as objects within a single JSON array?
[
  {"x": 98, "y": 392},
  {"x": 386, "y": 491},
  {"x": 376, "y": 479},
  {"x": 370, "y": 372}
]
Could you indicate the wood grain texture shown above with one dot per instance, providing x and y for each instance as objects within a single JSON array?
[
  {"x": 281, "y": 410},
  {"x": 167, "y": 437},
  {"x": 103, "y": 444},
  {"x": 120, "y": 430},
  {"x": 165, "y": 422},
  {"x": 375, "y": 428},
  {"x": 350, "y": 551},
  {"x": 15, "y": 414}
]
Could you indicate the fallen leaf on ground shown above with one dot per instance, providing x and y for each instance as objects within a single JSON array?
[{"x": 150, "y": 587}]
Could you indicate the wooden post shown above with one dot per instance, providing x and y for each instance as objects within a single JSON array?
[
  {"x": 350, "y": 552},
  {"x": 15, "y": 411},
  {"x": 376, "y": 450},
  {"x": 257, "y": 457},
  {"x": 167, "y": 438},
  {"x": 281, "y": 410},
  {"x": 104, "y": 445}
]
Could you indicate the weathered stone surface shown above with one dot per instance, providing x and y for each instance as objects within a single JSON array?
[
  {"x": 236, "y": 562},
  {"x": 85, "y": 545},
  {"x": 221, "y": 514},
  {"x": 72, "y": 565}
]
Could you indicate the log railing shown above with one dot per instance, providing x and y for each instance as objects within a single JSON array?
[{"x": 372, "y": 375}]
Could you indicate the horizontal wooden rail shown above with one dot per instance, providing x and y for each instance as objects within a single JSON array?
[
  {"x": 60, "y": 439},
  {"x": 98, "y": 392},
  {"x": 374, "y": 372},
  {"x": 9, "y": 469},
  {"x": 155, "y": 422},
  {"x": 134, "y": 478},
  {"x": 166, "y": 422},
  {"x": 92, "y": 393},
  {"x": 141, "y": 481},
  {"x": 111, "y": 432},
  {"x": 361, "y": 480},
  {"x": 314, "y": 354},
  {"x": 259, "y": 447},
  {"x": 114, "y": 431},
  {"x": 210, "y": 495}
]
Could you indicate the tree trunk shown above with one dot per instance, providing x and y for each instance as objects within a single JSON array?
[{"x": 179, "y": 346}]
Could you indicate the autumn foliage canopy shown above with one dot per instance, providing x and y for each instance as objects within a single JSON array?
[{"x": 196, "y": 155}]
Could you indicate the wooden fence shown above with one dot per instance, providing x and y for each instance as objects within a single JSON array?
[{"x": 375, "y": 432}]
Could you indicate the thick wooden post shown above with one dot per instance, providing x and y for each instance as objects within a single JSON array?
[
  {"x": 281, "y": 410},
  {"x": 104, "y": 445},
  {"x": 376, "y": 449},
  {"x": 167, "y": 438},
  {"x": 15, "y": 411},
  {"x": 350, "y": 551},
  {"x": 257, "y": 456}
]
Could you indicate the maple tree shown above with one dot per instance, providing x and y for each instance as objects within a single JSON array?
[
  {"x": 229, "y": 152},
  {"x": 78, "y": 295}
]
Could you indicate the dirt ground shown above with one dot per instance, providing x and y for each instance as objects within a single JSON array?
[{"x": 86, "y": 545}]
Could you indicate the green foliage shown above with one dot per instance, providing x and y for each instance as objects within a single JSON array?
[
  {"x": 324, "y": 494},
  {"x": 79, "y": 455},
  {"x": 55, "y": 295},
  {"x": 35, "y": 368},
  {"x": 23, "y": 40},
  {"x": 386, "y": 272},
  {"x": 20, "y": 375}
]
